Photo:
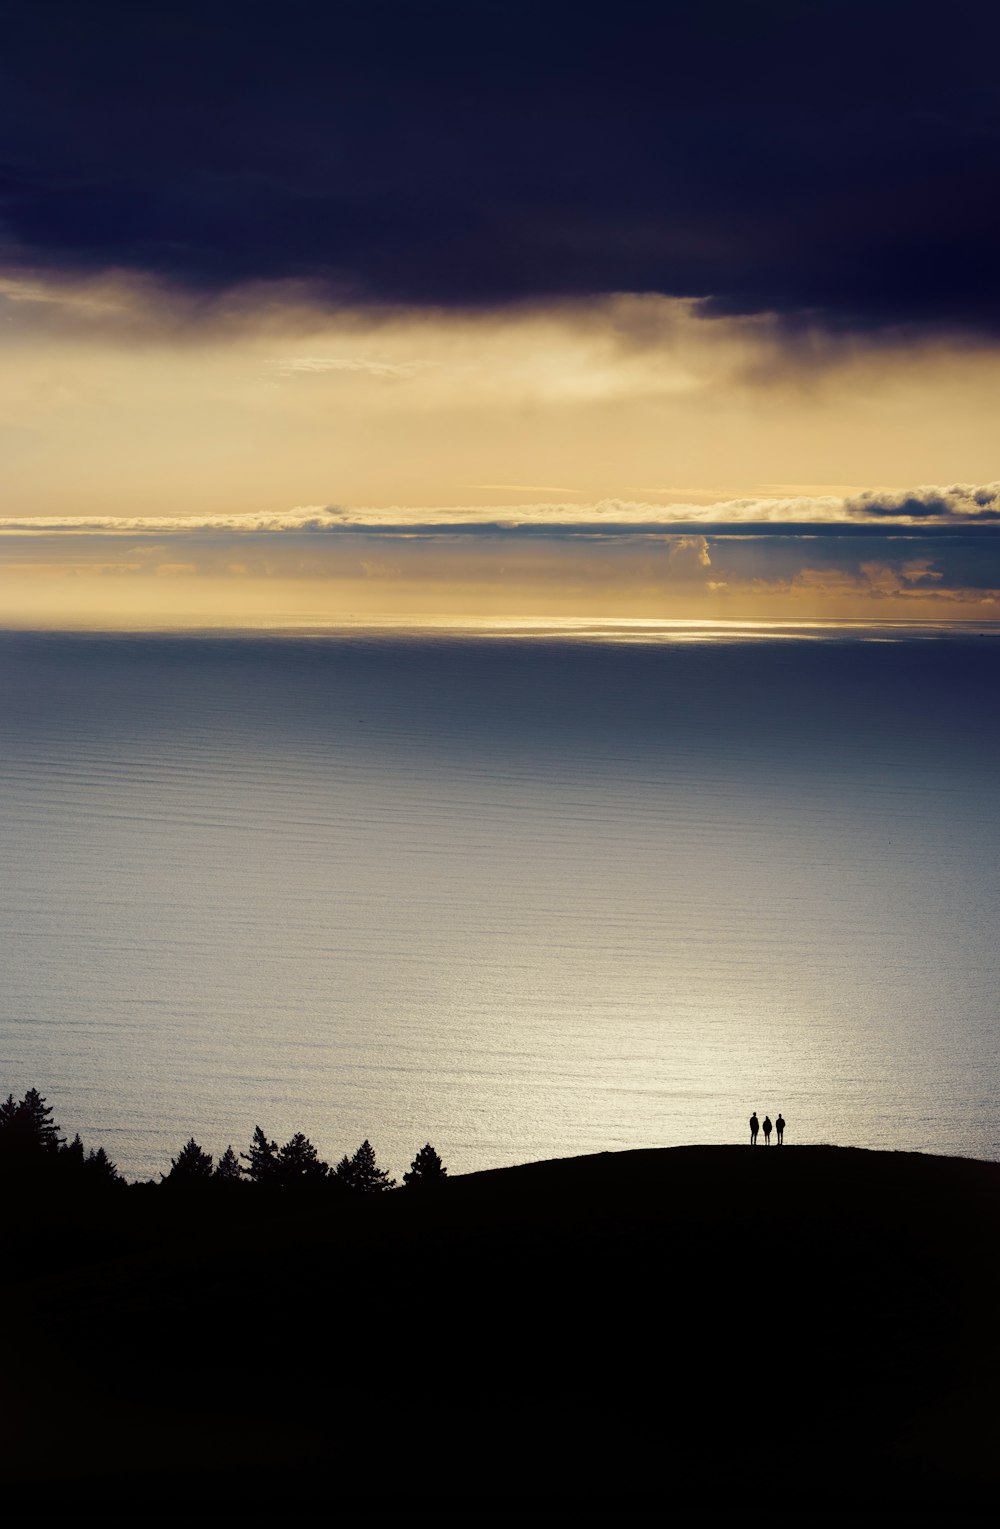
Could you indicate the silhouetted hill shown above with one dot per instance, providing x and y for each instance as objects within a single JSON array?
[{"x": 807, "y": 1332}]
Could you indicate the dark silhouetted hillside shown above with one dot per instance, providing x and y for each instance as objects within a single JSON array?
[{"x": 706, "y": 1332}]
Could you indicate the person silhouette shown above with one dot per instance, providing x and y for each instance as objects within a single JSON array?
[
  {"x": 754, "y": 1128},
  {"x": 767, "y": 1130},
  {"x": 779, "y": 1126}
]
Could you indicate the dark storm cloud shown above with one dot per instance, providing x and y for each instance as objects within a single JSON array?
[{"x": 834, "y": 162}]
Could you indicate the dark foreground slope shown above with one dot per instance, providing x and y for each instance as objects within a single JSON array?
[{"x": 805, "y": 1333}]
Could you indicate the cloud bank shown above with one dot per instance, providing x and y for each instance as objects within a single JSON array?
[
  {"x": 926, "y": 554},
  {"x": 928, "y": 506}
]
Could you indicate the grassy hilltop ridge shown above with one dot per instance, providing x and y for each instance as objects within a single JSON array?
[{"x": 704, "y": 1328}]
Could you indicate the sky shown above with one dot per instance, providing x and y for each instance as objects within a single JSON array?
[{"x": 451, "y": 310}]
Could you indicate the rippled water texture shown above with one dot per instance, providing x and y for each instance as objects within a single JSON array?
[{"x": 522, "y": 897}]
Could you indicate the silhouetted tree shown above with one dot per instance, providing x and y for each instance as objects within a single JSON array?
[
  {"x": 261, "y": 1157},
  {"x": 100, "y": 1169},
  {"x": 227, "y": 1169},
  {"x": 190, "y": 1166},
  {"x": 88, "y": 1167},
  {"x": 37, "y": 1118},
  {"x": 27, "y": 1128},
  {"x": 361, "y": 1173},
  {"x": 426, "y": 1168},
  {"x": 298, "y": 1162}
]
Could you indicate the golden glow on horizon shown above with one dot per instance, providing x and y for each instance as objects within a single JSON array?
[
  {"x": 116, "y": 399},
  {"x": 122, "y": 404},
  {"x": 178, "y": 598}
]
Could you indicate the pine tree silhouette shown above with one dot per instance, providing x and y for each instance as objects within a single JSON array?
[
  {"x": 361, "y": 1173},
  {"x": 261, "y": 1158},
  {"x": 426, "y": 1168},
  {"x": 26, "y": 1129},
  {"x": 298, "y": 1162},
  {"x": 190, "y": 1166},
  {"x": 100, "y": 1169},
  {"x": 227, "y": 1169},
  {"x": 35, "y": 1118}
]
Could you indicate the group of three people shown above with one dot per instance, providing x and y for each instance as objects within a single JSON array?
[{"x": 755, "y": 1126}]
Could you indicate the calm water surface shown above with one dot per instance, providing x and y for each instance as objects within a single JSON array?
[{"x": 522, "y": 897}]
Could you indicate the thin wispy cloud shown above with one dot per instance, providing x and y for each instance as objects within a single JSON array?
[
  {"x": 291, "y": 366},
  {"x": 524, "y": 488}
]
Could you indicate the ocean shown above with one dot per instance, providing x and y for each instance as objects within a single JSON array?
[{"x": 523, "y": 893}]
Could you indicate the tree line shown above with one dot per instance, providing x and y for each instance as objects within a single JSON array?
[{"x": 30, "y": 1143}]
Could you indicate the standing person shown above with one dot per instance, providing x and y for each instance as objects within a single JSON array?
[
  {"x": 779, "y": 1126},
  {"x": 767, "y": 1130},
  {"x": 754, "y": 1128}
]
